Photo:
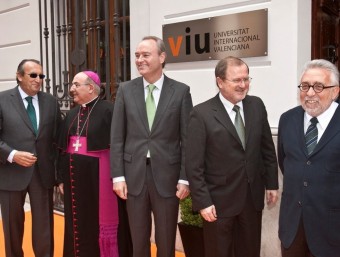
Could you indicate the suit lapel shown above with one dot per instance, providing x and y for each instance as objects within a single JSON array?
[
  {"x": 332, "y": 129},
  {"x": 138, "y": 93},
  {"x": 19, "y": 106},
  {"x": 42, "y": 106},
  {"x": 248, "y": 117},
  {"x": 164, "y": 99},
  {"x": 222, "y": 116},
  {"x": 298, "y": 122}
]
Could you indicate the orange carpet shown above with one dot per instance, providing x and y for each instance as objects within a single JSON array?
[{"x": 58, "y": 238}]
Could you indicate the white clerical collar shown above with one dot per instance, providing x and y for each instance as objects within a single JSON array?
[{"x": 85, "y": 104}]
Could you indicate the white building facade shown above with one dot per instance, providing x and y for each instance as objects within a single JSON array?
[{"x": 275, "y": 76}]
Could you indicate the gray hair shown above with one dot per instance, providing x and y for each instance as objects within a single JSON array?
[
  {"x": 323, "y": 64},
  {"x": 96, "y": 86}
]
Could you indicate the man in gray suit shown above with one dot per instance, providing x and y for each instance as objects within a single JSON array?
[
  {"x": 27, "y": 151},
  {"x": 148, "y": 134}
]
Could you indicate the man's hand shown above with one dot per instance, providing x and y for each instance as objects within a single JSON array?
[
  {"x": 272, "y": 196},
  {"x": 209, "y": 213},
  {"x": 182, "y": 191},
  {"x": 120, "y": 188},
  {"x": 25, "y": 159},
  {"x": 61, "y": 188}
]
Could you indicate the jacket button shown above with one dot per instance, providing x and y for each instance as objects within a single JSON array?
[
  {"x": 309, "y": 162},
  {"x": 300, "y": 203},
  {"x": 305, "y": 183}
]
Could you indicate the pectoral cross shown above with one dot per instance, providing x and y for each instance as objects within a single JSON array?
[{"x": 76, "y": 145}]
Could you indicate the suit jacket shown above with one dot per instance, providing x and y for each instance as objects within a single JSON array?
[
  {"x": 17, "y": 133},
  {"x": 311, "y": 185},
  {"x": 131, "y": 137},
  {"x": 218, "y": 168}
]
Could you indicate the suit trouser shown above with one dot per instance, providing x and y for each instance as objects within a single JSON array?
[
  {"x": 237, "y": 236},
  {"x": 165, "y": 212},
  {"x": 13, "y": 217}
]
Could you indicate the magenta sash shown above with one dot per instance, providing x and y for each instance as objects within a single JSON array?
[{"x": 108, "y": 206}]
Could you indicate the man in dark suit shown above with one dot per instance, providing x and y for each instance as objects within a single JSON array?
[
  {"x": 229, "y": 166},
  {"x": 308, "y": 153},
  {"x": 148, "y": 134},
  {"x": 27, "y": 159}
]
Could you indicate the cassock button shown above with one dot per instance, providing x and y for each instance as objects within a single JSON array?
[
  {"x": 309, "y": 162},
  {"x": 305, "y": 183},
  {"x": 300, "y": 203}
]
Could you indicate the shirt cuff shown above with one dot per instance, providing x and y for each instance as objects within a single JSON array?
[
  {"x": 185, "y": 182},
  {"x": 118, "y": 179},
  {"x": 11, "y": 155}
]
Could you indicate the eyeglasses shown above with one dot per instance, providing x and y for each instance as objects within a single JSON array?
[
  {"x": 76, "y": 84},
  {"x": 317, "y": 87},
  {"x": 239, "y": 81},
  {"x": 35, "y": 75}
]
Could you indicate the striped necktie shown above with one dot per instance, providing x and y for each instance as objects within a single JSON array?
[{"x": 311, "y": 135}]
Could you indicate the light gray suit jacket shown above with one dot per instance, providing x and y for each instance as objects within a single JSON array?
[
  {"x": 131, "y": 137},
  {"x": 17, "y": 133}
]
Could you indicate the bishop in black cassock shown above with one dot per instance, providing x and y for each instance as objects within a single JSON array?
[{"x": 91, "y": 208}]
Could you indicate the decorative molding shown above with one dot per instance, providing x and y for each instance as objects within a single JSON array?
[
  {"x": 215, "y": 8},
  {"x": 15, "y": 8},
  {"x": 26, "y": 42},
  {"x": 8, "y": 80}
]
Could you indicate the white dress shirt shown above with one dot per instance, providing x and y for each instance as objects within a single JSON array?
[{"x": 323, "y": 119}]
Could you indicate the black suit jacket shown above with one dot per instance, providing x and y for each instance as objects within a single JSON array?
[
  {"x": 131, "y": 137},
  {"x": 218, "y": 168},
  {"x": 311, "y": 184},
  {"x": 17, "y": 133}
]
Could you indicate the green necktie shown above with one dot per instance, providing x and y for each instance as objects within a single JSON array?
[
  {"x": 150, "y": 105},
  {"x": 31, "y": 113},
  {"x": 239, "y": 125}
]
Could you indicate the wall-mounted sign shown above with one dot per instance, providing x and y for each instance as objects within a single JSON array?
[{"x": 240, "y": 35}]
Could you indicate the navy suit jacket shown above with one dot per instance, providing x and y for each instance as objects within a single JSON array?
[{"x": 311, "y": 185}]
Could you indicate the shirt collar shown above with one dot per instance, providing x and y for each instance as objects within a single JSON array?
[
  {"x": 228, "y": 105},
  {"x": 158, "y": 83},
  {"x": 325, "y": 117},
  {"x": 24, "y": 95}
]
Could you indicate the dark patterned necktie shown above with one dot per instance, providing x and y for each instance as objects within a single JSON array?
[
  {"x": 239, "y": 125},
  {"x": 31, "y": 113},
  {"x": 311, "y": 135}
]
